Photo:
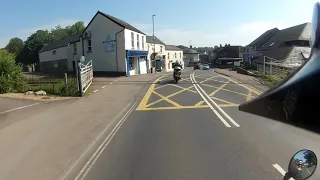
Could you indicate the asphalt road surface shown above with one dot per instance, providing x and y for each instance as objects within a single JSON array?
[{"x": 193, "y": 130}]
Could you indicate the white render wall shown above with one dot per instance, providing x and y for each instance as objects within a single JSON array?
[
  {"x": 61, "y": 53},
  {"x": 100, "y": 28},
  {"x": 172, "y": 58},
  {"x": 72, "y": 56},
  {"x": 128, "y": 45}
]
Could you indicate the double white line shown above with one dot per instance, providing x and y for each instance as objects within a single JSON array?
[{"x": 211, "y": 103}]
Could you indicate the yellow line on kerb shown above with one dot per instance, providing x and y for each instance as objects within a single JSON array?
[{"x": 146, "y": 97}]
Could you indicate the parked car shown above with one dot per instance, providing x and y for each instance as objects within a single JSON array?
[{"x": 205, "y": 67}]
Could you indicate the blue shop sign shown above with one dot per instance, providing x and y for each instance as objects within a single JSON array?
[{"x": 137, "y": 53}]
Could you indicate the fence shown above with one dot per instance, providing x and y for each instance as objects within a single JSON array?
[
  {"x": 55, "y": 84},
  {"x": 277, "y": 69},
  {"x": 85, "y": 76}
]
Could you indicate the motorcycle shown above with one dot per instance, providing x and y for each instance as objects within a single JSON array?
[{"x": 177, "y": 74}]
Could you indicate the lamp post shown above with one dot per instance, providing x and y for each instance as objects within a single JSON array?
[{"x": 154, "y": 46}]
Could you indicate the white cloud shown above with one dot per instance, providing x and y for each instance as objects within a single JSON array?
[{"x": 25, "y": 33}]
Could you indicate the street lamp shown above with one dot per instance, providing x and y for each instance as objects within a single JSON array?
[{"x": 154, "y": 45}]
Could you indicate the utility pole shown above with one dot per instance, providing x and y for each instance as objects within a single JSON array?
[{"x": 154, "y": 45}]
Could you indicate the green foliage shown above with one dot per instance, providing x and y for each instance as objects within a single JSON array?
[
  {"x": 27, "y": 52},
  {"x": 14, "y": 46},
  {"x": 11, "y": 77},
  {"x": 54, "y": 86}
]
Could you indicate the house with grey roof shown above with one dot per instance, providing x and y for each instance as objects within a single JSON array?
[
  {"x": 173, "y": 54},
  {"x": 113, "y": 45},
  {"x": 190, "y": 56},
  {"x": 289, "y": 46}
]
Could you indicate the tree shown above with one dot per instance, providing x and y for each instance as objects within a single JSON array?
[
  {"x": 14, "y": 46},
  {"x": 216, "y": 47},
  {"x": 11, "y": 77},
  {"x": 76, "y": 28},
  {"x": 33, "y": 45},
  {"x": 220, "y": 45}
]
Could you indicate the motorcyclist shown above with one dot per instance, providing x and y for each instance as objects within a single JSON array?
[{"x": 177, "y": 64}]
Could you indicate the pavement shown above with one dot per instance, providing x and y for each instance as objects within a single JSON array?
[
  {"x": 49, "y": 140},
  {"x": 147, "y": 127}
]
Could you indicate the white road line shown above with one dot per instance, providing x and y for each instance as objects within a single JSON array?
[
  {"x": 103, "y": 87},
  {"x": 14, "y": 109},
  {"x": 96, "y": 90},
  {"x": 111, "y": 83},
  {"x": 84, "y": 171},
  {"x": 217, "y": 106},
  {"x": 95, "y": 141},
  {"x": 281, "y": 171},
  {"x": 208, "y": 103}
]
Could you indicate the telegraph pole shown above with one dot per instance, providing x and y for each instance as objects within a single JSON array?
[{"x": 154, "y": 45}]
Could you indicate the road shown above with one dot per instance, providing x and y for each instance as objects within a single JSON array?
[{"x": 194, "y": 130}]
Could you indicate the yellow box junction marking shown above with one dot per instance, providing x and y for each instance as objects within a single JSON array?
[
  {"x": 145, "y": 106},
  {"x": 145, "y": 99}
]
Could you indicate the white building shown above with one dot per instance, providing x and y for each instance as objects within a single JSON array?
[
  {"x": 159, "y": 50},
  {"x": 166, "y": 54},
  {"x": 113, "y": 45},
  {"x": 173, "y": 54}
]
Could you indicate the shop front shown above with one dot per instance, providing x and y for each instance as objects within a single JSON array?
[{"x": 137, "y": 62}]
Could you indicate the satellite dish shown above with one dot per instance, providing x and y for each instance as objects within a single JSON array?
[
  {"x": 82, "y": 59},
  {"x": 315, "y": 31}
]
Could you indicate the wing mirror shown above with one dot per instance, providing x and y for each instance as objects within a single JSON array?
[
  {"x": 302, "y": 165},
  {"x": 315, "y": 27}
]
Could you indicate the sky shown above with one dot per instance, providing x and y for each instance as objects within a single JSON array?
[{"x": 197, "y": 22}]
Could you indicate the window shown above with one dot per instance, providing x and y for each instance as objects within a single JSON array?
[
  {"x": 142, "y": 42},
  {"x": 175, "y": 55},
  {"x": 160, "y": 49},
  {"x": 75, "y": 48},
  {"x": 89, "y": 45},
  {"x": 132, "y": 40},
  {"x": 138, "y": 45},
  {"x": 271, "y": 44},
  {"x": 168, "y": 55},
  {"x": 54, "y": 52}
]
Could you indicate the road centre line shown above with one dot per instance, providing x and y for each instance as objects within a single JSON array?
[
  {"x": 84, "y": 171},
  {"x": 14, "y": 109},
  {"x": 215, "y": 112},
  {"x": 96, "y": 90},
  {"x": 216, "y": 105},
  {"x": 281, "y": 171},
  {"x": 103, "y": 87}
]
